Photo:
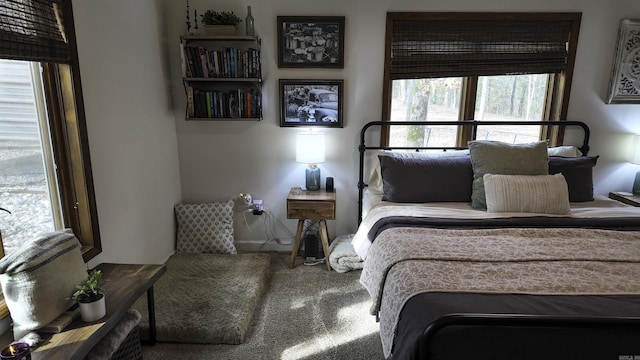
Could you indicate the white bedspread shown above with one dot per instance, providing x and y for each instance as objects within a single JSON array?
[
  {"x": 602, "y": 207},
  {"x": 406, "y": 261}
]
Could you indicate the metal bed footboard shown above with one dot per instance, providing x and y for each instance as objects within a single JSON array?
[{"x": 521, "y": 320}]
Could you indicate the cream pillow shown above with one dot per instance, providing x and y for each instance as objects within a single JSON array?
[
  {"x": 564, "y": 151},
  {"x": 546, "y": 194}
]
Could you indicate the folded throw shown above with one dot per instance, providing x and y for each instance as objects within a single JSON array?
[{"x": 343, "y": 256}]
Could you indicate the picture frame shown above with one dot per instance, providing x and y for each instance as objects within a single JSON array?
[
  {"x": 624, "y": 84},
  {"x": 311, "y": 41},
  {"x": 312, "y": 103}
]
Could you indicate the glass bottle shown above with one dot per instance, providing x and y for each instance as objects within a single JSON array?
[{"x": 249, "y": 23}]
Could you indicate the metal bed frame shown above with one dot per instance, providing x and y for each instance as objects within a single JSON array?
[
  {"x": 524, "y": 321},
  {"x": 472, "y": 319},
  {"x": 362, "y": 148}
]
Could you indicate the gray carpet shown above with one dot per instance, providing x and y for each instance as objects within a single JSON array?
[
  {"x": 207, "y": 298},
  {"x": 305, "y": 313}
]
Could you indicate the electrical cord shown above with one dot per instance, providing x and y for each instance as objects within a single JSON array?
[
  {"x": 271, "y": 231},
  {"x": 314, "y": 262},
  {"x": 271, "y": 225}
]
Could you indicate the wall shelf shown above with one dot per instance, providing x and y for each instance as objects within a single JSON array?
[{"x": 222, "y": 77}]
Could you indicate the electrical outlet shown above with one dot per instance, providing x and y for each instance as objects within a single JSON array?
[{"x": 258, "y": 207}]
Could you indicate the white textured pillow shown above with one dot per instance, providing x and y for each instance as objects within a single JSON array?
[
  {"x": 546, "y": 194},
  {"x": 205, "y": 228},
  {"x": 564, "y": 151}
]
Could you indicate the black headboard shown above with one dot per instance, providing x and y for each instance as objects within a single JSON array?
[{"x": 362, "y": 148}]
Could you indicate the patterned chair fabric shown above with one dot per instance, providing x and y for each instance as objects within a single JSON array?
[{"x": 205, "y": 228}]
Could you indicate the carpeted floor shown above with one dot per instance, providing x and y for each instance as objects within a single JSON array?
[{"x": 305, "y": 313}]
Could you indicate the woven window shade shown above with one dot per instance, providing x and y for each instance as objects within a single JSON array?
[
  {"x": 468, "y": 47},
  {"x": 33, "y": 30}
]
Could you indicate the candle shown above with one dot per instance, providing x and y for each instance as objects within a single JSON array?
[{"x": 16, "y": 351}]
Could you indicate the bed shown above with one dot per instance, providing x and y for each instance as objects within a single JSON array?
[{"x": 502, "y": 251}]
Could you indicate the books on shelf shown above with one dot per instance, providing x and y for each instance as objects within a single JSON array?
[
  {"x": 229, "y": 62},
  {"x": 238, "y": 103}
]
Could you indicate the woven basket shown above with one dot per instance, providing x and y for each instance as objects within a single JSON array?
[{"x": 130, "y": 348}]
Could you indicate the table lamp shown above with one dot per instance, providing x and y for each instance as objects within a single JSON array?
[
  {"x": 635, "y": 158},
  {"x": 310, "y": 150}
]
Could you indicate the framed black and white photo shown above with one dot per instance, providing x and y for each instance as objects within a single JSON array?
[
  {"x": 311, "y": 41},
  {"x": 624, "y": 85},
  {"x": 311, "y": 102}
]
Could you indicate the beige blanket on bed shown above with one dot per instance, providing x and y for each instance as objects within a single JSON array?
[{"x": 404, "y": 262}]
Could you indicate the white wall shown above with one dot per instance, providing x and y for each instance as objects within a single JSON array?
[
  {"x": 135, "y": 109},
  {"x": 219, "y": 160},
  {"x": 131, "y": 126}
]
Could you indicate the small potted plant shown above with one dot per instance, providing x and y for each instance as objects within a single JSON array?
[
  {"x": 90, "y": 297},
  {"x": 220, "y": 23}
]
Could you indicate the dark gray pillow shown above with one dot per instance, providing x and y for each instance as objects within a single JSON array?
[
  {"x": 578, "y": 171},
  {"x": 426, "y": 180},
  {"x": 495, "y": 157}
]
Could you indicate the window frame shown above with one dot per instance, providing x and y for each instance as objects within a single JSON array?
[
  {"x": 67, "y": 122},
  {"x": 558, "y": 84},
  {"x": 43, "y": 32},
  {"x": 69, "y": 138}
]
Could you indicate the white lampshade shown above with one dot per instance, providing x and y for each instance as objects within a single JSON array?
[
  {"x": 635, "y": 150},
  {"x": 310, "y": 148}
]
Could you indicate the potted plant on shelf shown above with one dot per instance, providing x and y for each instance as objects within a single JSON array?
[
  {"x": 220, "y": 23},
  {"x": 90, "y": 297}
]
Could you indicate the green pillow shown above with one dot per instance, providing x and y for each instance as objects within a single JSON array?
[{"x": 495, "y": 157}]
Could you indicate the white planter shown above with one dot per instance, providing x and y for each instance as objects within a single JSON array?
[{"x": 94, "y": 310}]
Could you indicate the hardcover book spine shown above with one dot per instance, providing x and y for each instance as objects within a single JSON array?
[
  {"x": 188, "y": 52},
  {"x": 234, "y": 56},
  {"x": 203, "y": 61},
  {"x": 214, "y": 104},
  {"x": 226, "y": 62},
  {"x": 258, "y": 105},
  {"x": 209, "y": 114},
  {"x": 190, "y": 110},
  {"x": 216, "y": 63},
  {"x": 183, "y": 61},
  {"x": 249, "y": 112},
  {"x": 196, "y": 66}
]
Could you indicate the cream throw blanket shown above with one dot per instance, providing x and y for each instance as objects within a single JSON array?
[
  {"x": 403, "y": 262},
  {"x": 343, "y": 257}
]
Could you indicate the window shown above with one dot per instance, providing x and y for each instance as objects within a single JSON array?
[
  {"x": 477, "y": 66},
  {"x": 38, "y": 36},
  {"x": 28, "y": 183}
]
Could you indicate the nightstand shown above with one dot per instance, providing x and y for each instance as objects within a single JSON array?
[
  {"x": 626, "y": 198},
  {"x": 318, "y": 205}
]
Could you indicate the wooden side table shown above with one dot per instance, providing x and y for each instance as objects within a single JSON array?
[
  {"x": 633, "y": 200},
  {"x": 317, "y": 205},
  {"x": 125, "y": 284}
]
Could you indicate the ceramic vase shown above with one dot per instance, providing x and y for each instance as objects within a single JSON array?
[{"x": 250, "y": 31}]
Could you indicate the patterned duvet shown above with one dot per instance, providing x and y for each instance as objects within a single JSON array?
[{"x": 408, "y": 260}]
